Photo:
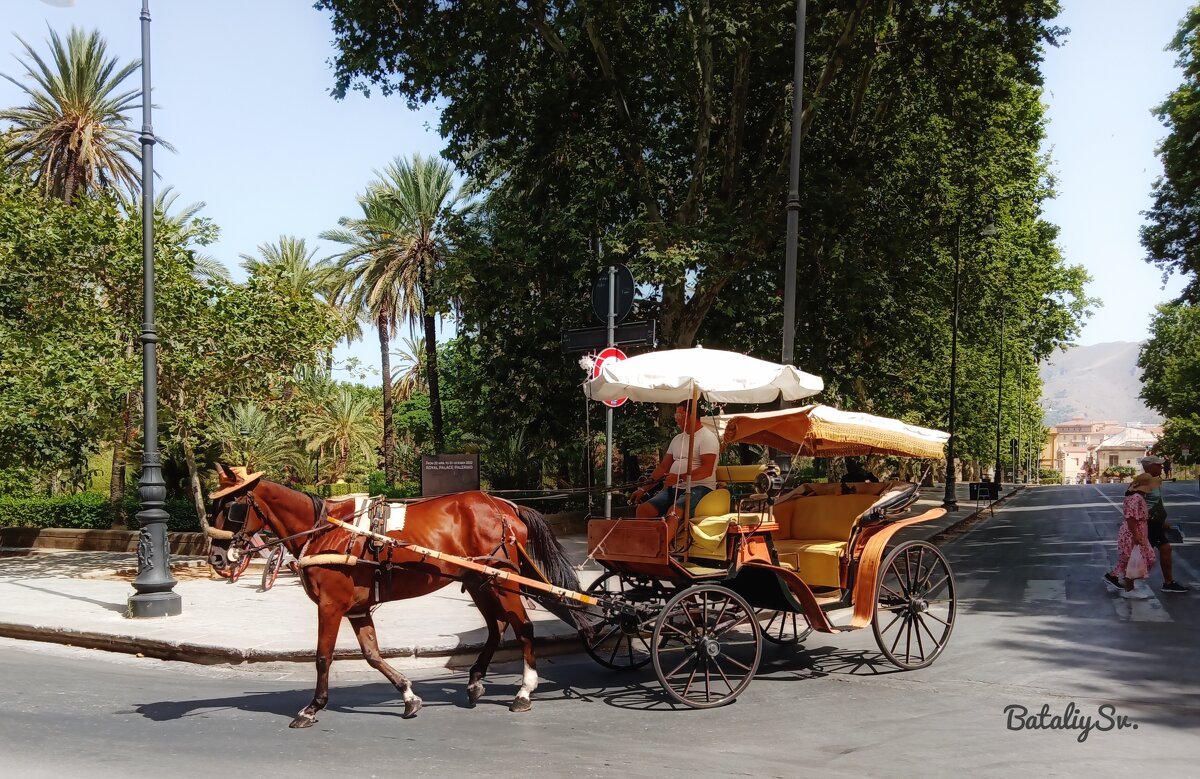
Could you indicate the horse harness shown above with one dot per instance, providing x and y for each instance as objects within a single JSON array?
[{"x": 364, "y": 548}]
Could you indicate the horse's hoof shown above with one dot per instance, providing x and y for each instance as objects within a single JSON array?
[
  {"x": 303, "y": 721},
  {"x": 411, "y": 707},
  {"x": 474, "y": 693},
  {"x": 521, "y": 704}
]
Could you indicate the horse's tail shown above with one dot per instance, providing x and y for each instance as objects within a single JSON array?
[{"x": 552, "y": 562}]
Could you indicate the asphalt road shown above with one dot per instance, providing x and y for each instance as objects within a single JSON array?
[{"x": 1036, "y": 628}]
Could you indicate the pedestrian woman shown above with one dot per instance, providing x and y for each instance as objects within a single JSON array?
[{"x": 1133, "y": 534}]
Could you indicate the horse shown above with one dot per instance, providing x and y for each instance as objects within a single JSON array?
[{"x": 345, "y": 575}]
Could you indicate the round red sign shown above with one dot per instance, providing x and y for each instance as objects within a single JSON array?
[{"x": 611, "y": 353}]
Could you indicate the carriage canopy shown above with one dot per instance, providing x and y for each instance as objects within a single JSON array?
[{"x": 824, "y": 431}]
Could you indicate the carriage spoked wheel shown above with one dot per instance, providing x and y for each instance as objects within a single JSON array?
[
  {"x": 271, "y": 569},
  {"x": 622, "y": 641},
  {"x": 706, "y": 646},
  {"x": 238, "y": 567},
  {"x": 914, "y": 605},
  {"x": 783, "y": 627}
]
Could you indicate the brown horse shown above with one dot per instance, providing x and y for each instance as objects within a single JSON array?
[{"x": 346, "y": 577}]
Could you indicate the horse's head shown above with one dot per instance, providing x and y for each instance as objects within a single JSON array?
[{"x": 236, "y": 518}]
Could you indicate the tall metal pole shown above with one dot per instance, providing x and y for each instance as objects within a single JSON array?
[
  {"x": 608, "y": 410},
  {"x": 950, "y": 500},
  {"x": 999, "y": 401},
  {"x": 155, "y": 596},
  {"x": 1018, "y": 459},
  {"x": 793, "y": 201}
]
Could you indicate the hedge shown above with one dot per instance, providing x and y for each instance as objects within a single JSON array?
[
  {"x": 332, "y": 490},
  {"x": 88, "y": 511},
  {"x": 85, "y": 511}
]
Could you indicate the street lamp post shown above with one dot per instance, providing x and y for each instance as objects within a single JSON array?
[
  {"x": 999, "y": 402},
  {"x": 793, "y": 201},
  {"x": 949, "y": 501},
  {"x": 155, "y": 596}
]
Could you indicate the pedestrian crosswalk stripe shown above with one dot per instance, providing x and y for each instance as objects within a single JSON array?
[
  {"x": 1149, "y": 610},
  {"x": 1045, "y": 589}
]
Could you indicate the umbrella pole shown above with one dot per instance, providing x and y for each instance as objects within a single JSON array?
[{"x": 693, "y": 417}]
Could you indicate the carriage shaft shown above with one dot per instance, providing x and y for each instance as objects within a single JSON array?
[{"x": 471, "y": 565}]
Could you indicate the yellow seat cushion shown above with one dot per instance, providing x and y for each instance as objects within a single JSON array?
[
  {"x": 714, "y": 503},
  {"x": 814, "y": 531},
  {"x": 817, "y": 562},
  {"x": 708, "y": 537},
  {"x": 821, "y": 517}
]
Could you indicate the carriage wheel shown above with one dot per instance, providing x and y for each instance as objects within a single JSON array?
[
  {"x": 706, "y": 646},
  {"x": 914, "y": 605},
  {"x": 236, "y": 569},
  {"x": 622, "y": 641},
  {"x": 271, "y": 569},
  {"x": 783, "y": 627}
]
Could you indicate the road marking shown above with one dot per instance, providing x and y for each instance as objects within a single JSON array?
[
  {"x": 1056, "y": 507},
  {"x": 1149, "y": 610},
  {"x": 1045, "y": 589}
]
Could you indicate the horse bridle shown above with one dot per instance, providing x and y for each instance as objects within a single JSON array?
[{"x": 236, "y": 514}]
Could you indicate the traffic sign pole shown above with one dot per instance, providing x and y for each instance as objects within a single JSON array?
[{"x": 608, "y": 411}]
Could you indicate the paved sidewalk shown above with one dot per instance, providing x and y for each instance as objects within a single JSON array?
[{"x": 77, "y": 598}]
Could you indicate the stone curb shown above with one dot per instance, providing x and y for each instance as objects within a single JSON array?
[{"x": 201, "y": 654}]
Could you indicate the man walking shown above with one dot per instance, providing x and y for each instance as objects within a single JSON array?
[{"x": 1156, "y": 527}]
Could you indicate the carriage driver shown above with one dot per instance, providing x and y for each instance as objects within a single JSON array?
[{"x": 675, "y": 467}]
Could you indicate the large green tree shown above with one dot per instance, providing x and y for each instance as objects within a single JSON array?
[
  {"x": 1171, "y": 358},
  {"x": 664, "y": 132},
  {"x": 1172, "y": 233},
  {"x": 1170, "y": 363},
  {"x": 65, "y": 365}
]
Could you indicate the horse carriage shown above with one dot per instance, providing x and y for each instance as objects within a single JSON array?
[{"x": 694, "y": 596}]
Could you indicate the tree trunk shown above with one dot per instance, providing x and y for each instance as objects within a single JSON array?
[
  {"x": 189, "y": 455},
  {"x": 340, "y": 463},
  {"x": 390, "y": 472},
  {"x": 435, "y": 398},
  {"x": 116, "y": 483}
]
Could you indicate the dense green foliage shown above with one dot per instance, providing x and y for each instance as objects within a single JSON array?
[
  {"x": 86, "y": 511},
  {"x": 1170, "y": 363},
  {"x": 664, "y": 133},
  {"x": 1172, "y": 234},
  {"x": 1170, "y": 360}
]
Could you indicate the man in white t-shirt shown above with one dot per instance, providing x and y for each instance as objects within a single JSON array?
[{"x": 702, "y": 470}]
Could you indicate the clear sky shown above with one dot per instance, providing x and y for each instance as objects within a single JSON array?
[{"x": 242, "y": 90}]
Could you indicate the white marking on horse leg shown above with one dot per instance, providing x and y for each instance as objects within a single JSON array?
[
  {"x": 529, "y": 682},
  {"x": 408, "y": 694}
]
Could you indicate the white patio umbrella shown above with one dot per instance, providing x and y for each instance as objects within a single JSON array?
[{"x": 676, "y": 375}]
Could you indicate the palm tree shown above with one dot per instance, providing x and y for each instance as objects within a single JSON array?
[
  {"x": 292, "y": 258},
  {"x": 250, "y": 436},
  {"x": 74, "y": 132},
  {"x": 345, "y": 426},
  {"x": 420, "y": 194},
  {"x": 305, "y": 277},
  {"x": 376, "y": 276},
  {"x": 195, "y": 230},
  {"x": 410, "y": 375}
]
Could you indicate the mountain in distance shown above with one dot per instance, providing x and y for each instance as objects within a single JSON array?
[{"x": 1100, "y": 382}]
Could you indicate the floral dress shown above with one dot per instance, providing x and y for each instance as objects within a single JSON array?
[{"x": 1135, "y": 508}]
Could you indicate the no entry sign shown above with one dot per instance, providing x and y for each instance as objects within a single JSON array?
[{"x": 611, "y": 353}]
